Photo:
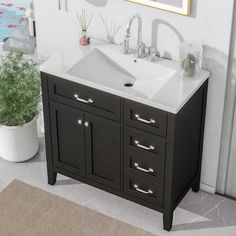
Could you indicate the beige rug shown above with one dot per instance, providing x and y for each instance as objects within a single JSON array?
[{"x": 29, "y": 211}]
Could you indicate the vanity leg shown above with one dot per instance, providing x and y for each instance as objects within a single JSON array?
[
  {"x": 167, "y": 220},
  {"x": 52, "y": 177},
  {"x": 196, "y": 185}
]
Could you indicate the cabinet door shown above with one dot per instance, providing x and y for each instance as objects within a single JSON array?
[
  {"x": 68, "y": 138},
  {"x": 103, "y": 154}
]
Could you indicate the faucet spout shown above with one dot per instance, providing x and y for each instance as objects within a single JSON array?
[
  {"x": 140, "y": 51},
  {"x": 128, "y": 30}
]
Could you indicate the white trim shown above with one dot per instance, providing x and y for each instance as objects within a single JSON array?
[
  {"x": 184, "y": 10},
  {"x": 42, "y": 130},
  {"x": 207, "y": 188}
]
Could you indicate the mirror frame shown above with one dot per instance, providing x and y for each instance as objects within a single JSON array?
[{"x": 185, "y": 10}]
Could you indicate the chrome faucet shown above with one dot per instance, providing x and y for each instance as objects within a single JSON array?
[{"x": 140, "y": 50}]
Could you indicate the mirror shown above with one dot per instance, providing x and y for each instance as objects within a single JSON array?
[{"x": 181, "y": 7}]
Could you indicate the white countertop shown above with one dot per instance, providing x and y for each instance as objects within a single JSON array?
[{"x": 171, "y": 97}]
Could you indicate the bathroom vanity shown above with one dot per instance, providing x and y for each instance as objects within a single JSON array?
[{"x": 144, "y": 147}]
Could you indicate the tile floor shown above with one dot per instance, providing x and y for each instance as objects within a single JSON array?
[{"x": 198, "y": 214}]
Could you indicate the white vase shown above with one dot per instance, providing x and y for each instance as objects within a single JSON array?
[{"x": 19, "y": 143}]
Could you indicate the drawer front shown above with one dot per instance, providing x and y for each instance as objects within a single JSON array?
[
  {"x": 144, "y": 167},
  {"x": 85, "y": 98},
  {"x": 145, "y": 118},
  {"x": 143, "y": 189},
  {"x": 144, "y": 144}
]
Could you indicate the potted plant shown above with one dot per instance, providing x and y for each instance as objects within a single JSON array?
[{"x": 19, "y": 107}]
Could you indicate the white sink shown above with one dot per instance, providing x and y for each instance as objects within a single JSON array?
[{"x": 125, "y": 73}]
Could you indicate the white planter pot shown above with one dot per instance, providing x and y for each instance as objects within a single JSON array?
[{"x": 19, "y": 143}]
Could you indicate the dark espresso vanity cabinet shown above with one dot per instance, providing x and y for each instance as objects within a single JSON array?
[
  {"x": 74, "y": 141},
  {"x": 146, "y": 155}
]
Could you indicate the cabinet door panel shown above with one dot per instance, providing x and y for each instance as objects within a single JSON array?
[
  {"x": 103, "y": 151},
  {"x": 68, "y": 138}
]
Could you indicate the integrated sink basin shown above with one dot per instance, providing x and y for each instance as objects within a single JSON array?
[{"x": 122, "y": 72}]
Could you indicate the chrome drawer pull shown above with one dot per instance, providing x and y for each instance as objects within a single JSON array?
[
  {"x": 141, "y": 190},
  {"x": 150, "y": 170},
  {"x": 80, "y": 122},
  {"x": 151, "y": 121},
  {"x": 142, "y": 146},
  {"x": 76, "y": 96},
  {"x": 86, "y": 124}
]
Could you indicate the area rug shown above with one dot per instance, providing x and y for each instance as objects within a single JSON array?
[{"x": 29, "y": 211}]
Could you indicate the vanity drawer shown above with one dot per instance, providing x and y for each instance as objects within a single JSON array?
[
  {"x": 84, "y": 97},
  {"x": 144, "y": 144},
  {"x": 143, "y": 189},
  {"x": 145, "y": 117},
  {"x": 144, "y": 167}
]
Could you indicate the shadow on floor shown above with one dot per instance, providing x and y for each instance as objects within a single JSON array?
[
  {"x": 41, "y": 155},
  {"x": 67, "y": 182},
  {"x": 220, "y": 212}
]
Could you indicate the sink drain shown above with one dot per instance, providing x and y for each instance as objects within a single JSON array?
[{"x": 129, "y": 84}]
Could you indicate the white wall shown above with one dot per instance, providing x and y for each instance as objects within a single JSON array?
[
  {"x": 227, "y": 166},
  {"x": 209, "y": 24}
]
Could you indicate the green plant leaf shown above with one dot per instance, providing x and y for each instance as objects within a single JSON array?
[{"x": 19, "y": 89}]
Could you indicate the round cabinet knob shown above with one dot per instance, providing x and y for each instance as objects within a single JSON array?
[
  {"x": 86, "y": 124},
  {"x": 80, "y": 122}
]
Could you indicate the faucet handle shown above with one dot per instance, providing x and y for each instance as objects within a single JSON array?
[
  {"x": 152, "y": 54},
  {"x": 141, "y": 50},
  {"x": 152, "y": 51}
]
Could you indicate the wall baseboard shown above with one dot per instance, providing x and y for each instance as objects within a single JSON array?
[
  {"x": 42, "y": 130},
  {"x": 207, "y": 188}
]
